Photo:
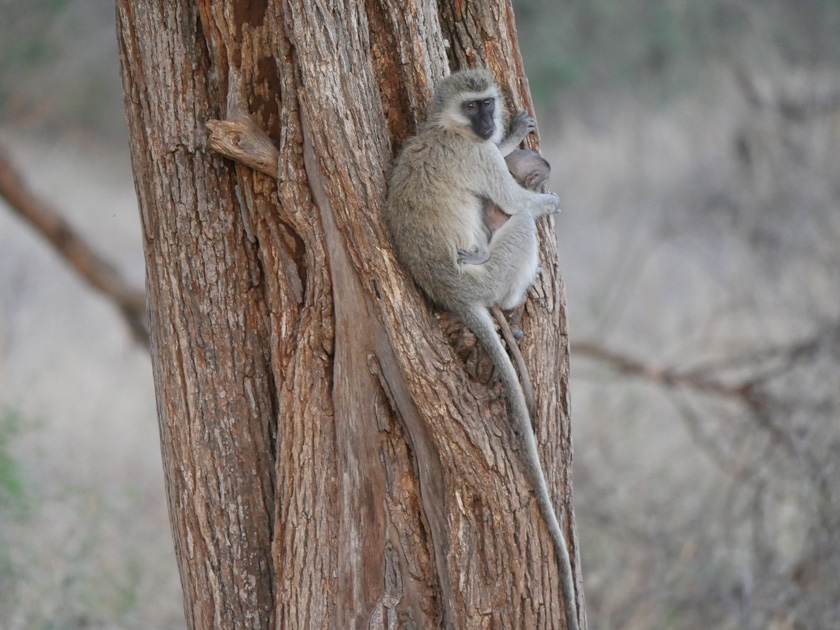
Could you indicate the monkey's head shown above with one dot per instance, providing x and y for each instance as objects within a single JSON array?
[
  {"x": 470, "y": 99},
  {"x": 529, "y": 168}
]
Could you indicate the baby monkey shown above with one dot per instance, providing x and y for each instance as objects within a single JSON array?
[{"x": 528, "y": 168}]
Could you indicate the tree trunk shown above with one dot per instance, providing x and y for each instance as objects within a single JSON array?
[{"x": 331, "y": 459}]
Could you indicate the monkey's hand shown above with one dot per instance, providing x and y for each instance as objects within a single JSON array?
[
  {"x": 549, "y": 203},
  {"x": 521, "y": 125}
]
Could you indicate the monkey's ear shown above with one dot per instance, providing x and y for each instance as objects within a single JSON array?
[{"x": 531, "y": 178}]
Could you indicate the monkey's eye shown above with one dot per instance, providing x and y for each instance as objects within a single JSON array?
[
  {"x": 488, "y": 102},
  {"x": 472, "y": 106}
]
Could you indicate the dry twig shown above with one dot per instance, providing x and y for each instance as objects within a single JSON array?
[{"x": 749, "y": 390}]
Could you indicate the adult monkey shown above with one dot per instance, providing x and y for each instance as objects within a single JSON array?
[{"x": 434, "y": 212}]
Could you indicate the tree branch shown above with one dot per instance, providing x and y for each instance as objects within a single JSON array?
[
  {"x": 748, "y": 391},
  {"x": 765, "y": 364},
  {"x": 93, "y": 268},
  {"x": 668, "y": 377},
  {"x": 243, "y": 141}
]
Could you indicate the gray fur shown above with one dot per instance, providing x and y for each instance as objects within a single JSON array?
[{"x": 436, "y": 196}]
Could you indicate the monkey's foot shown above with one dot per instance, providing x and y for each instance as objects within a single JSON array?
[{"x": 478, "y": 257}]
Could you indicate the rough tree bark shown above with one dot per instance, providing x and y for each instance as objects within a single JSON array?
[{"x": 331, "y": 459}]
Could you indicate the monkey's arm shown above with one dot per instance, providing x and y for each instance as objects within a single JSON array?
[
  {"x": 521, "y": 126},
  {"x": 498, "y": 185}
]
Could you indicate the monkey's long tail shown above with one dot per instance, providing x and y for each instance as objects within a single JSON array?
[
  {"x": 478, "y": 320},
  {"x": 518, "y": 360}
]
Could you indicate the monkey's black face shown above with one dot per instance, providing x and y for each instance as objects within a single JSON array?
[{"x": 480, "y": 114}]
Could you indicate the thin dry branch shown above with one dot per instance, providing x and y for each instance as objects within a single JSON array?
[
  {"x": 74, "y": 249},
  {"x": 763, "y": 365},
  {"x": 664, "y": 376},
  {"x": 761, "y": 405},
  {"x": 747, "y": 391}
]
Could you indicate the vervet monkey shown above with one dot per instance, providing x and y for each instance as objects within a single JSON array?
[{"x": 434, "y": 213}]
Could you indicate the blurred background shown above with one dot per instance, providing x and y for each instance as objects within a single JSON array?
[{"x": 696, "y": 148}]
